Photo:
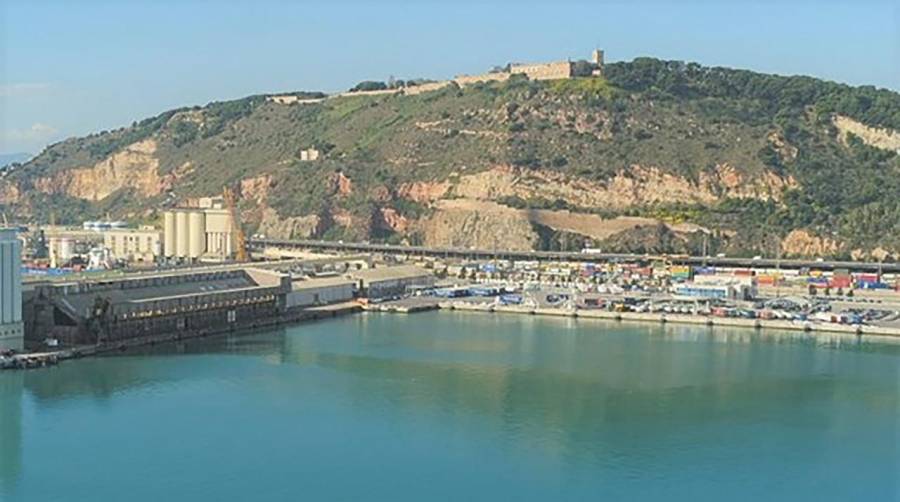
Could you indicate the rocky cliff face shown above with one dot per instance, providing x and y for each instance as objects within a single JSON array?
[
  {"x": 297, "y": 227},
  {"x": 634, "y": 186},
  {"x": 878, "y": 137},
  {"x": 478, "y": 224},
  {"x": 135, "y": 166},
  {"x": 487, "y": 225},
  {"x": 800, "y": 243}
]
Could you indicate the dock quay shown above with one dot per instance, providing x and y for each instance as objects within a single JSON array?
[
  {"x": 70, "y": 319},
  {"x": 404, "y": 306},
  {"x": 710, "y": 321}
]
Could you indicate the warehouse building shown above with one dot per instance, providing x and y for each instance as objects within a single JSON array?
[
  {"x": 134, "y": 245},
  {"x": 320, "y": 291},
  {"x": 383, "y": 282},
  {"x": 721, "y": 287},
  {"x": 121, "y": 309},
  {"x": 11, "y": 328}
]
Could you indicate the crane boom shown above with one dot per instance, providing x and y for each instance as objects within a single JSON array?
[{"x": 240, "y": 241}]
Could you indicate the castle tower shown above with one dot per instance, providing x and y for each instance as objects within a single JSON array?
[{"x": 597, "y": 57}]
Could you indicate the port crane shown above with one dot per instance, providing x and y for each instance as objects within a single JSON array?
[{"x": 240, "y": 240}]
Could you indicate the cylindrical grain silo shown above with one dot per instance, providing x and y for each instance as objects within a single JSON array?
[
  {"x": 182, "y": 234},
  {"x": 196, "y": 234},
  {"x": 169, "y": 234}
]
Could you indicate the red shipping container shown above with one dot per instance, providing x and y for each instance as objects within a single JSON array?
[{"x": 840, "y": 282}]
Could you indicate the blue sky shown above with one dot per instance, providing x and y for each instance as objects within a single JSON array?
[{"x": 70, "y": 68}]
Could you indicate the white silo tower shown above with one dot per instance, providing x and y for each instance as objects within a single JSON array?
[
  {"x": 169, "y": 234},
  {"x": 196, "y": 234},
  {"x": 182, "y": 234}
]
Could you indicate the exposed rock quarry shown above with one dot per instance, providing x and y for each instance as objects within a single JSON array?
[
  {"x": 886, "y": 139},
  {"x": 390, "y": 219},
  {"x": 423, "y": 191},
  {"x": 732, "y": 184},
  {"x": 480, "y": 224},
  {"x": 635, "y": 186},
  {"x": 256, "y": 189},
  {"x": 468, "y": 222},
  {"x": 297, "y": 227},
  {"x": 135, "y": 166},
  {"x": 803, "y": 243}
]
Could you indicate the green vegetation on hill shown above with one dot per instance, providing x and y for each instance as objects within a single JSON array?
[
  {"x": 778, "y": 95},
  {"x": 682, "y": 119}
]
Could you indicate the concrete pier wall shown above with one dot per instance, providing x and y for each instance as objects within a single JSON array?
[{"x": 683, "y": 319}]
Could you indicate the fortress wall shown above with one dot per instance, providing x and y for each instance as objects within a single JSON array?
[
  {"x": 289, "y": 99},
  {"x": 431, "y": 86},
  {"x": 464, "y": 80},
  {"x": 371, "y": 93},
  {"x": 544, "y": 71},
  {"x": 283, "y": 100}
]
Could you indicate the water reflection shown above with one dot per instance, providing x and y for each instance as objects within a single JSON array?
[
  {"x": 577, "y": 394},
  {"x": 11, "y": 387},
  {"x": 103, "y": 377},
  {"x": 541, "y": 382}
]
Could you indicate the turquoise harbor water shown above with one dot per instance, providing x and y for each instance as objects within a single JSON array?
[{"x": 454, "y": 406}]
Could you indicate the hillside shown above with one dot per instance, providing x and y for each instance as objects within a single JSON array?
[{"x": 644, "y": 159}]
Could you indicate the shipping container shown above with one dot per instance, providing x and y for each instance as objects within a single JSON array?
[
  {"x": 720, "y": 312},
  {"x": 840, "y": 282},
  {"x": 484, "y": 291},
  {"x": 768, "y": 280},
  {"x": 874, "y": 285},
  {"x": 511, "y": 299}
]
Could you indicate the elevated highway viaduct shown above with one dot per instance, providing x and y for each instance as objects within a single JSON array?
[{"x": 259, "y": 245}]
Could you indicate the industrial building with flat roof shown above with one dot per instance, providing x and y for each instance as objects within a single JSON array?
[
  {"x": 116, "y": 310},
  {"x": 320, "y": 291},
  {"x": 382, "y": 282},
  {"x": 718, "y": 287},
  {"x": 129, "y": 244}
]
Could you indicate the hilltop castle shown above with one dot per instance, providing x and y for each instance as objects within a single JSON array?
[
  {"x": 555, "y": 70},
  {"x": 540, "y": 71}
]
